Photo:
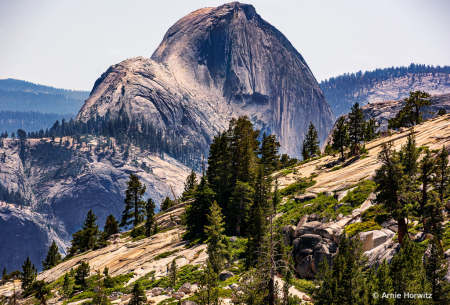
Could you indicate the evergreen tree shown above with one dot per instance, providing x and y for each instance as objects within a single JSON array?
[
  {"x": 150, "y": 221},
  {"x": 411, "y": 113},
  {"x": 100, "y": 298},
  {"x": 67, "y": 291},
  {"x": 41, "y": 291},
  {"x": 167, "y": 203},
  {"x": 134, "y": 205},
  {"x": 253, "y": 289},
  {"x": 239, "y": 206},
  {"x": 4, "y": 274},
  {"x": 244, "y": 147},
  {"x": 90, "y": 231},
  {"x": 208, "y": 288},
  {"x": 442, "y": 179},
  {"x": 53, "y": 257},
  {"x": 370, "y": 130},
  {"x": 216, "y": 248},
  {"x": 384, "y": 283},
  {"x": 29, "y": 273},
  {"x": 195, "y": 215},
  {"x": 409, "y": 154},
  {"x": 406, "y": 271},
  {"x": 436, "y": 270},
  {"x": 390, "y": 185},
  {"x": 340, "y": 136},
  {"x": 189, "y": 186},
  {"x": 173, "y": 273},
  {"x": 138, "y": 296},
  {"x": 257, "y": 230},
  {"x": 325, "y": 285},
  {"x": 269, "y": 153},
  {"x": 111, "y": 226},
  {"x": 219, "y": 173},
  {"x": 81, "y": 273},
  {"x": 427, "y": 169},
  {"x": 442, "y": 111},
  {"x": 311, "y": 143},
  {"x": 356, "y": 128}
]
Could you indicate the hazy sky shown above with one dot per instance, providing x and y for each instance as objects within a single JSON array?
[{"x": 68, "y": 44}]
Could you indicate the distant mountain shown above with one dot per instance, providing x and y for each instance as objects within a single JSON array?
[
  {"x": 215, "y": 64},
  {"x": 18, "y": 95},
  {"x": 344, "y": 91},
  {"x": 30, "y": 121}
]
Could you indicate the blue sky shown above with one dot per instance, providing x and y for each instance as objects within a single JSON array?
[{"x": 68, "y": 44}]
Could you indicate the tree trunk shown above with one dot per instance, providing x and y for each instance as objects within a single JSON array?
[{"x": 402, "y": 229}]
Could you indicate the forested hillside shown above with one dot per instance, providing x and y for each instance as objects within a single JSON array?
[
  {"x": 17, "y": 95},
  {"x": 30, "y": 121},
  {"x": 343, "y": 91}
]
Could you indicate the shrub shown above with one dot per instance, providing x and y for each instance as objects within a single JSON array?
[
  {"x": 360, "y": 194},
  {"x": 137, "y": 231},
  {"x": 356, "y": 228},
  {"x": 296, "y": 187},
  {"x": 165, "y": 254},
  {"x": 336, "y": 168}
]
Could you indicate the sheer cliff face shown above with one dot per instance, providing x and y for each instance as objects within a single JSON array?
[
  {"x": 212, "y": 65},
  {"x": 62, "y": 183}
]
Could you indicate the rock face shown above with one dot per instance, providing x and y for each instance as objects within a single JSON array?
[
  {"x": 383, "y": 111},
  {"x": 384, "y": 90},
  {"x": 62, "y": 183},
  {"x": 212, "y": 65}
]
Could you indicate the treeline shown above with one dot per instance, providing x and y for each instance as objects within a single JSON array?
[
  {"x": 30, "y": 121},
  {"x": 124, "y": 130},
  {"x": 11, "y": 84},
  {"x": 341, "y": 88},
  {"x": 38, "y": 101}
]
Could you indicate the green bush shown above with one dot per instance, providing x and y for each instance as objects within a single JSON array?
[
  {"x": 296, "y": 187},
  {"x": 137, "y": 231},
  {"x": 336, "y": 168},
  {"x": 376, "y": 213},
  {"x": 82, "y": 296},
  {"x": 356, "y": 228},
  {"x": 165, "y": 254},
  {"x": 360, "y": 193}
]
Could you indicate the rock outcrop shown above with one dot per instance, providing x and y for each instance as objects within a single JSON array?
[
  {"x": 385, "y": 110},
  {"x": 61, "y": 184},
  {"x": 212, "y": 65}
]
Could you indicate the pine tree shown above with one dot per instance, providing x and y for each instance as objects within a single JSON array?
[
  {"x": 257, "y": 230},
  {"x": 216, "y": 248},
  {"x": 81, "y": 273},
  {"x": 390, "y": 185},
  {"x": 100, "y": 298},
  {"x": 239, "y": 206},
  {"x": 173, "y": 273},
  {"x": 356, "y": 127},
  {"x": 134, "y": 205},
  {"x": 150, "y": 219},
  {"x": 4, "y": 274},
  {"x": 89, "y": 232},
  {"x": 436, "y": 270},
  {"x": 138, "y": 296},
  {"x": 409, "y": 154},
  {"x": 67, "y": 291},
  {"x": 111, "y": 226},
  {"x": 53, "y": 257},
  {"x": 370, "y": 130},
  {"x": 411, "y": 113},
  {"x": 311, "y": 143},
  {"x": 406, "y": 270},
  {"x": 219, "y": 173},
  {"x": 442, "y": 111},
  {"x": 195, "y": 215},
  {"x": 208, "y": 287},
  {"x": 253, "y": 289},
  {"x": 167, "y": 203},
  {"x": 427, "y": 169},
  {"x": 340, "y": 136},
  {"x": 189, "y": 186},
  {"x": 41, "y": 291},
  {"x": 269, "y": 153},
  {"x": 442, "y": 179},
  {"x": 29, "y": 273},
  {"x": 384, "y": 283},
  {"x": 325, "y": 285}
]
